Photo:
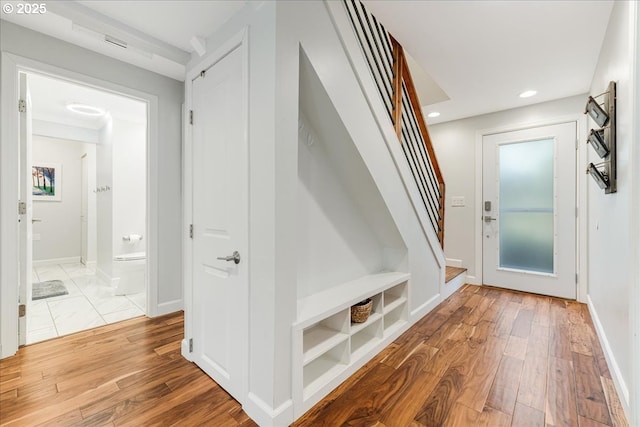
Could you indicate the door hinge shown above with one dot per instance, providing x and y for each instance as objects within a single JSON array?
[
  {"x": 190, "y": 345},
  {"x": 576, "y": 277},
  {"x": 577, "y": 211},
  {"x": 22, "y": 208},
  {"x": 577, "y": 144},
  {"x": 22, "y": 106},
  {"x": 191, "y": 231},
  {"x": 22, "y": 310},
  {"x": 190, "y": 117}
]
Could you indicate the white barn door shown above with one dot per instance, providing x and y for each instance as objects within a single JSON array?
[{"x": 220, "y": 222}]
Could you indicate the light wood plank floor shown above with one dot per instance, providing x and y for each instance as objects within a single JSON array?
[{"x": 484, "y": 357}]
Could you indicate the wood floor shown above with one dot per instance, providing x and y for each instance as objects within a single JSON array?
[
  {"x": 128, "y": 373},
  {"x": 484, "y": 357}
]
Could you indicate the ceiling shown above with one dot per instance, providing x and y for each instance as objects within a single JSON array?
[
  {"x": 483, "y": 54},
  {"x": 477, "y": 56},
  {"x": 174, "y": 22},
  {"x": 50, "y": 97}
]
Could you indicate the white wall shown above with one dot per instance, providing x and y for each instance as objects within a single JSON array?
[
  {"x": 455, "y": 146},
  {"x": 59, "y": 232},
  {"x": 335, "y": 244},
  {"x": 104, "y": 201},
  {"x": 166, "y": 96},
  {"x": 92, "y": 212},
  {"x": 610, "y": 215},
  {"x": 634, "y": 299},
  {"x": 129, "y": 185},
  {"x": 345, "y": 230}
]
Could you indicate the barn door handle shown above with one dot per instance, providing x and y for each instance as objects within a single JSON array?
[{"x": 235, "y": 257}]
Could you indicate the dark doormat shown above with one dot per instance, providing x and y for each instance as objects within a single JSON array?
[{"x": 48, "y": 289}]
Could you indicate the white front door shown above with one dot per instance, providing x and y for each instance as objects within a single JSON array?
[
  {"x": 220, "y": 222},
  {"x": 529, "y": 206},
  {"x": 26, "y": 206}
]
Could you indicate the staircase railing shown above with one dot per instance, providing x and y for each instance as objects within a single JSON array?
[{"x": 388, "y": 65}]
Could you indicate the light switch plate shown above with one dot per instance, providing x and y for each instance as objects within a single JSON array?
[{"x": 457, "y": 201}]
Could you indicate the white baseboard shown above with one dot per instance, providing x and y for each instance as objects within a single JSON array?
[
  {"x": 106, "y": 278},
  {"x": 472, "y": 280},
  {"x": 453, "y": 285},
  {"x": 266, "y": 416},
  {"x": 452, "y": 262},
  {"x": 184, "y": 348},
  {"x": 90, "y": 264},
  {"x": 618, "y": 379},
  {"x": 54, "y": 261},
  {"x": 169, "y": 307},
  {"x": 425, "y": 308}
]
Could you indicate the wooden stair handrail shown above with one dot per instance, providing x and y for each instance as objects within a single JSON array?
[
  {"x": 401, "y": 72},
  {"x": 390, "y": 72}
]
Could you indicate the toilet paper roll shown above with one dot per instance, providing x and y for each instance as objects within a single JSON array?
[{"x": 132, "y": 238}]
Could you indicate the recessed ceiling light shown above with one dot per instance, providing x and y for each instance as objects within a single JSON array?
[
  {"x": 86, "y": 110},
  {"x": 433, "y": 114},
  {"x": 528, "y": 93}
]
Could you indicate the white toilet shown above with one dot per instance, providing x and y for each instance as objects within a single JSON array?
[{"x": 129, "y": 273}]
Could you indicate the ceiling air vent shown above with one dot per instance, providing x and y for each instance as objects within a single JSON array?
[{"x": 115, "y": 41}]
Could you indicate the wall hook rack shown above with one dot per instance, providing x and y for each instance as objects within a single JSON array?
[
  {"x": 101, "y": 189},
  {"x": 603, "y": 139}
]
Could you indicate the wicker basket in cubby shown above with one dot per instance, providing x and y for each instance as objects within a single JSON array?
[{"x": 360, "y": 312}]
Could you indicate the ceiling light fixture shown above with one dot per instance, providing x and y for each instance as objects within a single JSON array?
[
  {"x": 84, "y": 109},
  {"x": 528, "y": 93},
  {"x": 433, "y": 114}
]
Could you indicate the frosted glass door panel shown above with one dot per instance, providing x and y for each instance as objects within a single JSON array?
[
  {"x": 529, "y": 209},
  {"x": 526, "y": 197}
]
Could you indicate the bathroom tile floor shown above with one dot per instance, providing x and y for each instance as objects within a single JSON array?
[{"x": 90, "y": 303}]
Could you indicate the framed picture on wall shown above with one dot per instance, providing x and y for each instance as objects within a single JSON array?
[{"x": 46, "y": 181}]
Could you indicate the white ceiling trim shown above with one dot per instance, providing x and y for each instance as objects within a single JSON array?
[
  {"x": 146, "y": 52},
  {"x": 89, "y": 18}
]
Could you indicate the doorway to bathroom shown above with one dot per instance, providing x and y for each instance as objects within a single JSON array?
[{"x": 83, "y": 171}]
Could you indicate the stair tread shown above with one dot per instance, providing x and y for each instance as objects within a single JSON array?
[{"x": 453, "y": 272}]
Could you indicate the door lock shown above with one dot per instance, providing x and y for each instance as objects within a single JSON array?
[
  {"x": 489, "y": 218},
  {"x": 235, "y": 257}
]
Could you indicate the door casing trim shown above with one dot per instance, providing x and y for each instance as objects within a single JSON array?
[
  {"x": 12, "y": 65},
  {"x": 581, "y": 194}
]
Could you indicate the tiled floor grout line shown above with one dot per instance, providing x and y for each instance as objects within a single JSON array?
[
  {"x": 88, "y": 284},
  {"x": 52, "y": 320}
]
